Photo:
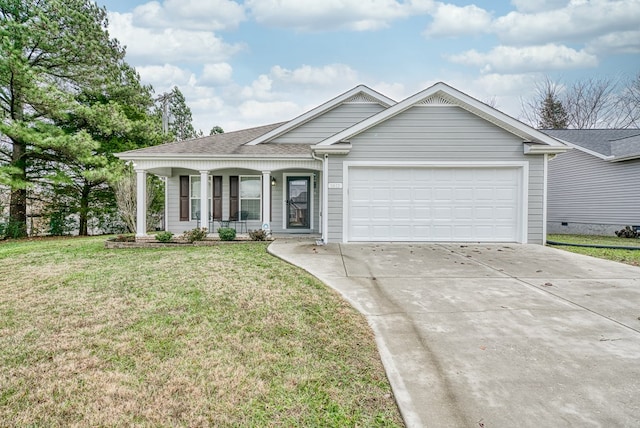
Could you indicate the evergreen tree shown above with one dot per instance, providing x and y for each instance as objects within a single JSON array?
[
  {"x": 117, "y": 118},
  {"x": 181, "y": 120},
  {"x": 216, "y": 130},
  {"x": 50, "y": 51},
  {"x": 552, "y": 114}
]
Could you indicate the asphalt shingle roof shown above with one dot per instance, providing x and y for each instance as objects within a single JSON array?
[
  {"x": 619, "y": 143},
  {"x": 229, "y": 143}
]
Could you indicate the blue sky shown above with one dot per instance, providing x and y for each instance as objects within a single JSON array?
[{"x": 242, "y": 64}]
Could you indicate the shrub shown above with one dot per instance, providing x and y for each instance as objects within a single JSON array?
[
  {"x": 164, "y": 236},
  {"x": 197, "y": 234},
  {"x": 627, "y": 232},
  {"x": 15, "y": 230},
  {"x": 227, "y": 233},
  {"x": 258, "y": 235}
]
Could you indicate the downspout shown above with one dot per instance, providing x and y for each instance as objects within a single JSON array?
[{"x": 325, "y": 196}]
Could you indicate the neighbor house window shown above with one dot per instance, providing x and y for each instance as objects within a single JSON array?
[
  {"x": 250, "y": 193},
  {"x": 194, "y": 197}
]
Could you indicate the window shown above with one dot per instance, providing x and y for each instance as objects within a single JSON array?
[
  {"x": 250, "y": 197},
  {"x": 194, "y": 197}
]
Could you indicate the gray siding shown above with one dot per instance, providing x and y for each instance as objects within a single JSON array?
[
  {"x": 587, "y": 191},
  {"x": 173, "y": 188},
  {"x": 332, "y": 122},
  {"x": 442, "y": 133}
]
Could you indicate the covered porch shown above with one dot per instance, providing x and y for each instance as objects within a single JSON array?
[{"x": 278, "y": 196}]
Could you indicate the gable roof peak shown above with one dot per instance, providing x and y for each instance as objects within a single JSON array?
[
  {"x": 358, "y": 94},
  {"x": 442, "y": 94}
]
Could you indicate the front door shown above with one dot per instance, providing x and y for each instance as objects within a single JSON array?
[{"x": 298, "y": 203}]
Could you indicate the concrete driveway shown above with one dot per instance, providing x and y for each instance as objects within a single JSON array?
[{"x": 493, "y": 335}]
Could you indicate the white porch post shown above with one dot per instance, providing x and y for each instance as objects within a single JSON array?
[
  {"x": 325, "y": 199},
  {"x": 266, "y": 201},
  {"x": 204, "y": 199},
  {"x": 141, "y": 202}
]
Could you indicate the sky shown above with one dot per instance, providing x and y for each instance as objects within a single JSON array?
[{"x": 248, "y": 63}]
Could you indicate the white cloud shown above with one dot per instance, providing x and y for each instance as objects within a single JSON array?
[
  {"x": 313, "y": 15},
  {"x": 324, "y": 76},
  {"x": 216, "y": 74},
  {"x": 208, "y": 15},
  {"x": 528, "y": 6},
  {"x": 147, "y": 46},
  {"x": 395, "y": 91},
  {"x": 259, "y": 89},
  {"x": 580, "y": 19},
  {"x": 452, "y": 20},
  {"x": 165, "y": 76},
  {"x": 620, "y": 42},
  {"x": 509, "y": 59}
]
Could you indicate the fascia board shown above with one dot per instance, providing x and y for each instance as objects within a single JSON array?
[
  {"x": 336, "y": 149},
  {"x": 199, "y": 157},
  {"x": 543, "y": 149},
  {"x": 323, "y": 108},
  {"x": 458, "y": 98}
]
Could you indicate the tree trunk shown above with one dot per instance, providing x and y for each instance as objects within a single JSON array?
[
  {"x": 18, "y": 201},
  {"x": 84, "y": 210}
]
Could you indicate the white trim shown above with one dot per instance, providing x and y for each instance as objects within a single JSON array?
[
  {"x": 457, "y": 98},
  {"x": 523, "y": 205},
  {"x": 545, "y": 171},
  {"x": 543, "y": 149},
  {"x": 311, "y": 199},
  {"x": 320, "y": 110},
  {"x": 199, "y": 164},
  {"x": 265, "y": 217},
  {"x": 325, "y": 199},
  {"x": 205, "y": 208},
  {"x": 141, "y": 202}
]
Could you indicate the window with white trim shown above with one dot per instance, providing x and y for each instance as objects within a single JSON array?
[
  {"x": 250, "y": 197},
  {"x": 194, "y": 197}
]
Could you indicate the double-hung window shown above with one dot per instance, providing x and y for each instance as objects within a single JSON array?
[
  {"x": 250, "y": 197},
  {"x": 195, "y": 197}
]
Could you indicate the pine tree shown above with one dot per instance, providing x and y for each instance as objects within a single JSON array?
[
  {"x": 552, "y": 114},
  {"x": 181, "y": 120},
  {"x": 49, "y": 52}
]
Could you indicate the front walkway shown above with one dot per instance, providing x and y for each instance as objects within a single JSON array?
[{"x": 493, "y": 335}]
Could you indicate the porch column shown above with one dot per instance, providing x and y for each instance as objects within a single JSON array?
[
  {"x": 204, "y": 199},
  {"x": 266, "y": 201},
  {"x": 141, "y": 202}
]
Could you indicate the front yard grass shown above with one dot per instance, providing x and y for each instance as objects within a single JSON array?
[
  {"x": 631, "y": 257},
  {"x": 191, "y": 336}
]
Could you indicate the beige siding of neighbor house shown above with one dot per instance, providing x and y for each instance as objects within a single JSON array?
[
  {"x": 438, "y": 134},
  {"x": 332, "y": 122},
  {"x": 592, "y": 195}
]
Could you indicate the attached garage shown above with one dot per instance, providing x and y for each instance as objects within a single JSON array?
[{"x": 435, "y": 203}]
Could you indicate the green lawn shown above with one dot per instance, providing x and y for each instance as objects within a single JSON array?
[
  {"x": 631, "y": 257},
  {"x": 190, "y": 336}
]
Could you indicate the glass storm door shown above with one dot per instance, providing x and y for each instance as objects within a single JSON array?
[{"x": 298, "y": 204}]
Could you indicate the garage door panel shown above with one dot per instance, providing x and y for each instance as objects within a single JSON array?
[{"x": 433, "y": 204}]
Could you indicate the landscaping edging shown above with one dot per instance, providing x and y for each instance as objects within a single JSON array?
[{"x": 109, "y": 243}]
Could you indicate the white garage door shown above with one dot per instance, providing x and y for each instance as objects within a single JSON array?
[{"x": 434, "y": 204}]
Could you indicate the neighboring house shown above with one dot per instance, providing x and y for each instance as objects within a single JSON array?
[
  {"x": 594, "y": 188},
  {"x": 438, "y": 166}
]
